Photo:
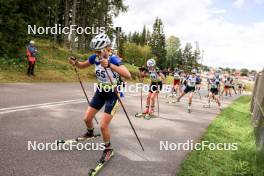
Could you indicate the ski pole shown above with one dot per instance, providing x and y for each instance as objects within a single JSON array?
[
  {"x": 158, "y": 97},
  {"x": 199, "y": 94},
  {"x": 80, "y": 81},
  {"x": 141, "y": 101},
  {"x": 141, "y": 96},
  {"x": 120, "y": 101}
]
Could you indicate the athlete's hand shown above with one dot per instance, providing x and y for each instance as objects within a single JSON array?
[
  {"x": 72, "y": 60},
  {"x": 141, "y": 77},
  {"x": 104, "y": 62}
]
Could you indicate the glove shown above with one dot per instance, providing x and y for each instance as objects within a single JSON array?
[{"x": 72, "y": 60}]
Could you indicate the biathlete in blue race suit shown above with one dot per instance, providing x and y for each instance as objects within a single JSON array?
[{"x": 107, "y": 70}]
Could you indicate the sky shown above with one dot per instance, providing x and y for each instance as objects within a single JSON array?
[{"x": 231, "y": 32}]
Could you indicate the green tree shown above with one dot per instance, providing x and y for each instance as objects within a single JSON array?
[
  {"x": 188, "y": 57},
  {"x": 135, "y": 38},
  {"x": 206, "y": 68},
  {"x": 15, "y": 16},
  {"x": 196, "y": 55},
  {"x": 227, "y": 69},
  {"x": 148, "y": 37},
  {"x": 136, "y": 54},
  {"x": 244, "y": 72},
  {"x": 180, "y": 57},
  {"x": 143, "y": 37},
  {"x": 158, "y": 43},
  {"x": 172, "y": 48}
]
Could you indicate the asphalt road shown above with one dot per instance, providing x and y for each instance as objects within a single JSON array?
[{"x": 45, "y": 112}]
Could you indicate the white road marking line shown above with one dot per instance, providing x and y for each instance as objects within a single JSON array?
[
  {"x": 41, "y": 104},
  {"x": 45, "y": 105}
]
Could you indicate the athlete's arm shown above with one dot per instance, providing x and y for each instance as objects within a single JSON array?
[
  {"x": 78, "y": 64},
  {"x": 161, "y": 76},
  {"x": 121, "y": 70},
  {"x": 82, "y": 64},
  {"x": 115, "y": 64},
  {"x": 142, "y": 74}
]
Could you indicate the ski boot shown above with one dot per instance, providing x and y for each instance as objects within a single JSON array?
[
  {"x": 146, "y": 111},
  {"x": 189, "y": 109},
  {"x": 88, "y": 134},
  {"x": 150, "y": 114}
]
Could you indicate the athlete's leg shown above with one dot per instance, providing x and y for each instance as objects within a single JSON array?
[
  {"x": 182, "y": 94},
  {"x": 111, "y": 106},
  {"x": 226, "y": 90},
  {"x": 210, "y": 97},
  {"x": 29, "y": 68},
  {"x": 88, "y": 117},
  {"x": 152, "y": 102},
  {"x": 198, "y": 87},
  {"x": 95, "y": 105},
  {"x": 190, "y": 98},
  {"x": 147, "y": 103},
  {"x": 173, "y": 90},
  {"x": 110, "y": 109},
  {"x": 240, "y": 90},
  {"x": 180, "y": 89},
  {"x": 104, "y": 125},
  {"x": 174, "y": 87},
  {"x": 229, "y": 91},
  {"x": 234, "y": 88},
  {"x": 177, "y": 89},
  {"x": 148, "y": 98},
  {"x": 153, "y": 98},
  {"x": 217, "y": 100}
]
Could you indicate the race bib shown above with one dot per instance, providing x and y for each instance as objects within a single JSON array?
[
  {"x": 153, "y": 76},
  {"x": 192, "y": 82},
  {"x": 227, "y": 83},
  {"x": 102, "y": 76},
  {"x": 213, "y": 86},
  {"x": 176, "y": 76}
]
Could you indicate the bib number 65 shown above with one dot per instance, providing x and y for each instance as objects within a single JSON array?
[{"x": 100, "y": 73}]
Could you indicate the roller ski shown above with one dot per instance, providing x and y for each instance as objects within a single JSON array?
[
  {"x": 207, "y": 105},
  {"x": 87, "y": 136},
  {"x": 107, "y": 155},
  {"x": 149, "y": 115},
  {"x": 139, "y": 115},
  {"x": 189, "y": 109},
  {"x": 143, "y": 114}
]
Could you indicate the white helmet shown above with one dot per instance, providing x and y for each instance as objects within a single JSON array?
[
  {"x": 100, "y": 41},
  {"x": 212, "y": 77},
  {"x": 218, "y": 70},
  {"x": 32, "y": 42},
  {"x": 194, "y": 70},
  {"x": 151, "y": 63}
]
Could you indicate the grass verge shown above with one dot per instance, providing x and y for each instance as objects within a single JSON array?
[
  {"x": 233, "y": 125},
  {"x": 51, "y": 66}
]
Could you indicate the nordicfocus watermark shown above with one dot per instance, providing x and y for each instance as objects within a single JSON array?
[
  {"x": 55, "y": 146},
  {"x": 66, "y": 30},
  {"x": 132, "y": 88},
  {"x": 190, "y": 145}
]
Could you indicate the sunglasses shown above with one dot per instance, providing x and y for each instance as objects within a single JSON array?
[
  {"x": 102, "y": 50},
  {"x": 98, "y": 51}
]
